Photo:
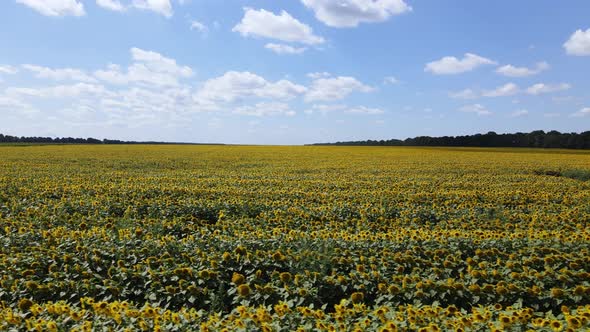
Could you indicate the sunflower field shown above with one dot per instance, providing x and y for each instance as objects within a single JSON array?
[{"x": 253, "y": 238}]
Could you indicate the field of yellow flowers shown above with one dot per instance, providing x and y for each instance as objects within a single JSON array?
[{"x": 240, "y": 238}]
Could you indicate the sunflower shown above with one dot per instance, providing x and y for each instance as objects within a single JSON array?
[
  {"x": 557, "y": 293},
  {"x": 393, "y": 289},
  {"x": 357, "y": 297},
  {"x": 244, "y": 290},
  {"x": 238, "y": 278},
  {"x": 505, "y": 320},
  {"x": 25, "y": 304},
  {"x": 285, "y": 277},
  {"x": 51, "y": 326},
  {"x": 573, "y": 322},
  {"x": 556, "y": 325}
]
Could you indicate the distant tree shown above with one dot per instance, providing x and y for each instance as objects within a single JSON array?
[{"x": 534, "y": 139}]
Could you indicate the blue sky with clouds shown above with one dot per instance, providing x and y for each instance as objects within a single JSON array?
[{"x": 292, "y": 71}]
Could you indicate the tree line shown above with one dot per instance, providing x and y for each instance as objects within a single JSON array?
[
  {"x": 534, "y": 139},
  {"x": 72, "y": 140}
]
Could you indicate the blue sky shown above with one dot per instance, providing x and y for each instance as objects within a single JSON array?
[{"x": 292, "y": 71}]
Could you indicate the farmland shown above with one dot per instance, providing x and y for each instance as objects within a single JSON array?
[{"x": 208, "y": 238}]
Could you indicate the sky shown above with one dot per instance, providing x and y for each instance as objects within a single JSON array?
[{"x": 292, "y": 71}]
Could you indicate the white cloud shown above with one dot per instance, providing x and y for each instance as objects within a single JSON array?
[
  {"x": 284, "y": 49},
  {"x": 114, "y": 5},
  {"x": 327, "y": 108},
  {"x": 10, "y": 70},
  {"x": 317, "y": 75},
  {"x": 582, "y": 113},
  {"x": 334, "y": 88},
  {"x": 234, "y": 85},
  {"x": 464, "y": 94},
  {"x": 324, "y": 108},
  {"x": 578, "y": 43},
  {"x": 475, "y": 108},
  {"x": 365, "y": 110},
  {"x": 519, "y": 113},
  {"x": 541, "y": 88},
  {"x": 164, "y": 100},
  {"x": 196, "y": 25},
  {"x": 508, "y": 89},
  {"x": 451, "y": 65},
  {"x": 262, "y": 23},
  {"x": 162, "y": 7},
  {"x": 60, "y": 74},
  {"x": 265, "y": 109},
  {"x": 160, "y": 63},
  {"x": 58, "y": 91},
  {"x": 149, "y": 67},
  {"x": 13, "y": 105},
  {"x": 391, "y": 80},
  {"x": 11, "y": 102},
  {"x": 55, "y": 7},
  {"x": 112, "y": 75},
  {"x": 512, "y": 71},
  {"x": 144, "y": 101},
  {"x": 350, "y": 13}
]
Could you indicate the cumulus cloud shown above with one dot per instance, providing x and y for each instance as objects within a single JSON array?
[
  {"x": 284, "y": 49},
  {"x": 162, "y": 7},
  {"x": 334, "y": 88},
  {"x": 328, "y": 108},
  {"x": 578, "y": 43},
  {"x": 55, "y": 7},
  {"x": 475, "y": 108},
  {"x": 10, "y": 70},
  {"x": 508, "y": 89},
  {"x": 153, "y": 89},
  {"x": 582, "y": 113},
  {"x": 464, "y": 94},
  {"x": 317, "y": 75},
  {"x": 350, "y": 13},
  {"x": 11, "y": 103},
  {"x": 449, "y": 65},
  {"x": 365, "y": 110},
  {"x": 265, "y": 109},
  {"x": 160, "y": 63},
  {"x": 60, "y": 74},
  {"x": 58, "y": 91},
  {"x": 196, "y": 25},
  {"x": 114, "y": 5},
  {"x": 149, "y": 67},
  {"x": 235, "y": 85},
  {"x": 324, "y": 108},
  {"x": 262, "y": 23},
  {"x": 512, "y": 71},
  {"x": 541, "y": 88}
]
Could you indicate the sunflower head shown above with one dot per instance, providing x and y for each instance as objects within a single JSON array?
[{"x": 244, "y": 290}]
